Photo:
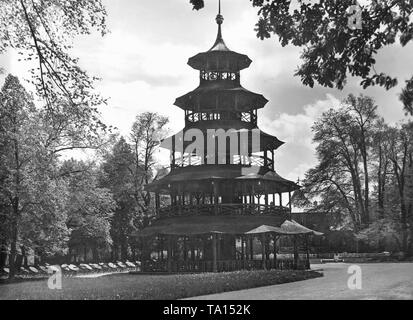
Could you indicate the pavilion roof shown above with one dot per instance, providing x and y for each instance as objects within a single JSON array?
[
  {"x": 198, "y": 225},
  {"x": 266, "y": 140},
  {"x": 237, "y": 225},
  {"x": 214, "y": 96},
  {"x": 194, "y": 177},
  {"x": 293, "y": 227}
]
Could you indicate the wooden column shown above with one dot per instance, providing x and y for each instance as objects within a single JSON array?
[
  {"x": 162, "y": 241},
  {"x": 169, "y": 244},
  {"x": 157, "y": 203},
  {"x": 242, "y": 249},
  {"x": 295, "y": 252},
  {"x": 275, "y": 250},
  {"x": 266, "y": 158},
  {"x": 289, "y": 203},
  {"x": 263, "y": 245},
  {"x": 251, "y": 248},
  {"x": 281, "y": 199},
  {"x": 173, "y": 159},
  {"x": 307, "y": 252},
  {"x": 273, "y": 160},
  {"x": 214, "y": 253},
  {"x": 185, "y": 250}
]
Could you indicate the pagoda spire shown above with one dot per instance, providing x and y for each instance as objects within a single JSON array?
[{"x": 219, "y": 43}]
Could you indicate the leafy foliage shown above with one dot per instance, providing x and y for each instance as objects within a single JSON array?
[
  {"x": 364, "y": 174},
  {"x": 33, "y": 199},
  {"x": 89, "y": 207},
  {"x": 42, "y": 32},
  {"x": 406, "y": 96}
]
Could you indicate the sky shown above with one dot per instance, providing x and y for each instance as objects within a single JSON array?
[{"x": 143, "y": 67}]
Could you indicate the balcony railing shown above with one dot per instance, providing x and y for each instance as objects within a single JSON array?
[
  {"x": 222, "y": 210},
  {"x": 253, "y": 160}
]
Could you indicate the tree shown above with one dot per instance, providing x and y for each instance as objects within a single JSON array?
[
  {"x": 400, "y": 155},
  {"x": 32, "y": 198},
  {"x": 331, "y": 49},
  {"x": 380, "y": 150},
  {"x": 42, "y": 31},
  {"x": 89, "y": 208},
  {"x": 344, "y": 138},
  {"x": 148, "y": 130},
  {"x": 118, "y": 177},
  {"x": 127, "y": 168}
]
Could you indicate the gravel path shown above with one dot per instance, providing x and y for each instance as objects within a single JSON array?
[{"x": 379, "y": 281}]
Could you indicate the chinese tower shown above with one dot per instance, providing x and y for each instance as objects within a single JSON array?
[{"x": 222, "y": 180}]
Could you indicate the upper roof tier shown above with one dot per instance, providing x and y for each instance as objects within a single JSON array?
[
  {"x": 220, "y": 96},
  {"x": 220, "y": 57}
]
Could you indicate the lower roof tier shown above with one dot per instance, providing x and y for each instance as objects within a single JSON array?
[
  {"x": 225, "y": 179},
  {"x": 178, "y": 142},
  {"x": 214, "y": 97},
  {"x": 234, "y": 225}
]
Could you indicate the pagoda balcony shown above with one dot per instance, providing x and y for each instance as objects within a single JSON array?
[
  {"x": 248, "y": 161},
  {"x": 220, "y": 209},
  {"x": 246, "y": 117}
]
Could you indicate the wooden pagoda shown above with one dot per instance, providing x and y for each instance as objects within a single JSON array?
[{"x": 217, "y": 194}]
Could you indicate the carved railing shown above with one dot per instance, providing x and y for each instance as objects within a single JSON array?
[
  {"x": 253, "y": 160},
  {"x": 248, "y": 117},
  {"x": 222, "y": 210}
]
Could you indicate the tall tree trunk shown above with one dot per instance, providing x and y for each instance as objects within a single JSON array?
[{"x": 13, "y": 248}]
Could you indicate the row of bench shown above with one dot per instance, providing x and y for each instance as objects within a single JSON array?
[{"x": 72, "y": 269}]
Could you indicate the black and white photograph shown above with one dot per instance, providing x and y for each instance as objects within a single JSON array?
[{"x": 206, "y": 154}]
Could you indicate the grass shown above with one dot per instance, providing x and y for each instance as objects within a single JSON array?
[{"x": 151, "y": 287}]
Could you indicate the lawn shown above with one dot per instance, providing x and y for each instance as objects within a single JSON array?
[{"x": 151, "y": 287}]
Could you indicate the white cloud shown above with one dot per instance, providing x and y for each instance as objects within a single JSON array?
[{"x": 298, "y": 154}]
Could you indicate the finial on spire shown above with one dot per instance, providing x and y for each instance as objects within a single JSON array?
[{"x": 220, "y": 18}]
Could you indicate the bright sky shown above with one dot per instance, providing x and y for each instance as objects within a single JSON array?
[{"x": 142, "y": 64}]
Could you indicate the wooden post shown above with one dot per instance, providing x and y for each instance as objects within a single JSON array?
[
  {"x": 273, "y": 161},
  {"x": 252, "y": 247},
  {"x": 263, "y": 245},
  {"x": 169, "y": 244},
  {"x": 307, "y": 252},
  {"x": 185, "y": 250},
  {"x": 162, "y": 240},
  {"x": 242, "y": 248},
  {"x": 275, "y": 251},
  {"x": 289, "y": 203},
  {"x": 214, "y": 253},
  {"x": 295, "y": 252},
  {"x": 157, "y": 203},
  {"x": 281, "y": 199}
]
